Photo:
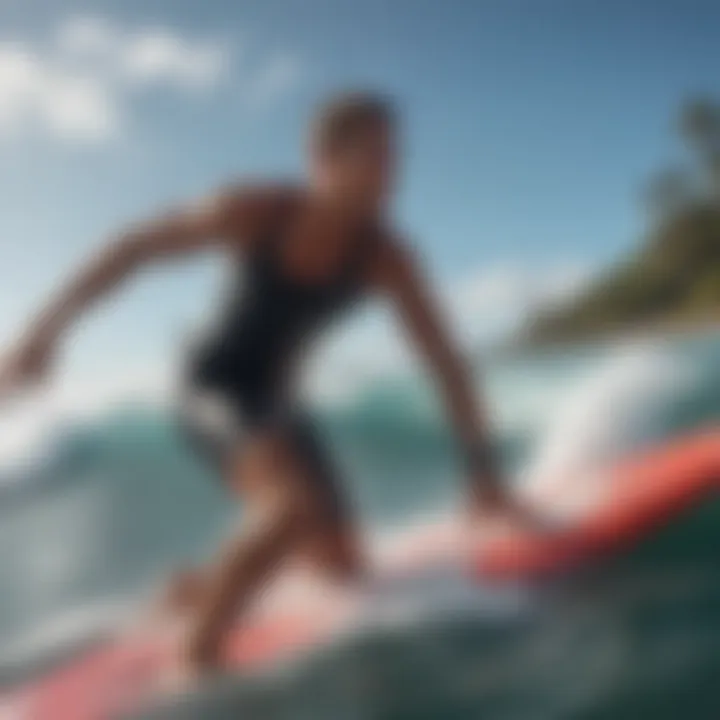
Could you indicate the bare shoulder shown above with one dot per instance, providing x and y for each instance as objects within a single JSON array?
[
  {"x": 395, "y": 260},
  {"x": 248, "y": 206}
]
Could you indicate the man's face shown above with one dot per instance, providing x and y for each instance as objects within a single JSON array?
[{"x": 361, "y": 171}]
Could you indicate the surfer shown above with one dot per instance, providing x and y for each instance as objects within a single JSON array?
[{"x": 307, "y": 254}]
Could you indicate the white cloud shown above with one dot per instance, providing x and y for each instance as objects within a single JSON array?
[
  {"x": 80, "y": 107},
  {"x": 20, "y": 79},
  {"x": 81, "y": 87},
  {"x": 158, "y": 56},
  {"x": 280, "y": 74},
  {"x": 490, "y": 302},
  {"x": 37, "y": 94},
  {"x": 89, "y": 37},
  {"x": 147, "y": 55}
]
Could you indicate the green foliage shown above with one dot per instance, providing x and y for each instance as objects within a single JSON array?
[{"x": 675, "y": 276}]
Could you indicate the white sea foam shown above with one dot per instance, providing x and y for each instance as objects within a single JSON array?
[
  {"x": 28, "y": 423},
  {"x": 605, "y": 415}
]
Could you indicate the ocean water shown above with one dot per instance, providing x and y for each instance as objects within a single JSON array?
[{"x": 110, "y": 506}]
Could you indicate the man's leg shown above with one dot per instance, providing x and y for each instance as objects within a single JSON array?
[
  {"x": 331, "y": 544},
  {"x": 287, "y": 512}
]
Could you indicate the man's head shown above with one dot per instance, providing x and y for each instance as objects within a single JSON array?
[{"x": 352, "y": 148}]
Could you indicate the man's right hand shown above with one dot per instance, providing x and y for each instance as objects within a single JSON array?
[
  {"x": 27, "y": 364},
  {"x": 491, "y": 501}
]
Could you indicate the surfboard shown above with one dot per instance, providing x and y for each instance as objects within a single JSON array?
[{"x": 636, "y": 496}]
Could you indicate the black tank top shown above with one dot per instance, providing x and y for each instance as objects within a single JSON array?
[{"x": 252, "y": 352}]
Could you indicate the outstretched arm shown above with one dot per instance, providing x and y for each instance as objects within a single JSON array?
[
  {"x": 399, "y": 276},
  {"x": 227, "y": 219}
]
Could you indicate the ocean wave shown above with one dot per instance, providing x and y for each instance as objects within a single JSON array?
[{"x": 118, "y": 501}]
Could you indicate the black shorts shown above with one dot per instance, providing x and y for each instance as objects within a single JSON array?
[{"x": 218, "y": 422}]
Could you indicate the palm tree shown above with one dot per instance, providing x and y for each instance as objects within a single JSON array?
[
  {"x": 668, "y": 193},
  {"x": 700, "y": 124}
]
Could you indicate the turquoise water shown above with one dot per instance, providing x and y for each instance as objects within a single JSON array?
[{"x": 118, "y": 502}]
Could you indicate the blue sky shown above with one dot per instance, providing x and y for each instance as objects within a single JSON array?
[{"x": 530, "y": 128}]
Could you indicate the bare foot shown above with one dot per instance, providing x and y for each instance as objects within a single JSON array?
[
  {"x": 502, "y": 512},
  {"x": 179, "y": 675}
]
